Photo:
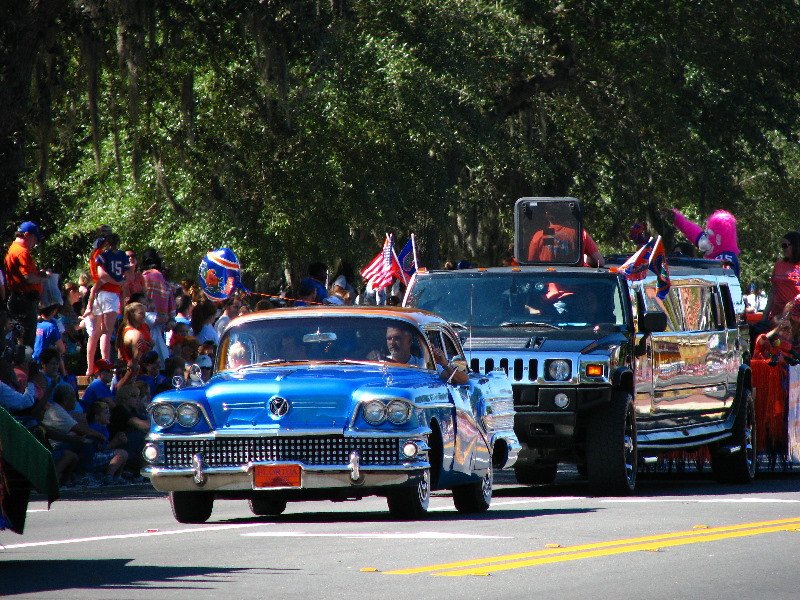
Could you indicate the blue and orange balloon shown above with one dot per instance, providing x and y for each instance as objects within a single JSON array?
[{"x": 220, "y": 274}]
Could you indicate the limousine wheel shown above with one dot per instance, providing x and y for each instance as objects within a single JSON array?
[
  {"x": 475, "y": 497},
  {"x": 191, "y": 507},
  {"x": 611, "y": 452},
  {"x": 540, "y": 474},
  {"x": 734, "y": 460},
  {"x": 411, "y": 502},
  {"x": 265, "y": 506}
]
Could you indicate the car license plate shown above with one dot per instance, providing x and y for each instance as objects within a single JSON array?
[{"x": 272, "y": 476}]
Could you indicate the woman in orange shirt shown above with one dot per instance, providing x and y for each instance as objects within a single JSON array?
[
  {"x": 785, "y": 278},
  {"x": 133, "y": 336}
]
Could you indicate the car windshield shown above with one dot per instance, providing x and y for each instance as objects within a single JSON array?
[
  {"x": 520, "y": 299},
  {"x": 335, "y": 338}
]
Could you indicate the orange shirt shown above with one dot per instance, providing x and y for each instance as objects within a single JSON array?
[
  {"x": 93, "y": 263},
  {"x": 142, "y": 347},
  {"x": 785, "y": 285},
  {"x": 562, "y": 245},
  {"x": 19, "y": 263}
]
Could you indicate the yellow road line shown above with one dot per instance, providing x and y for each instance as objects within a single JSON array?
[{"x": 550, "y": 555}]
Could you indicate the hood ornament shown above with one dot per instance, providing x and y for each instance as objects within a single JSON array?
[{"x": 278, "y": 406}]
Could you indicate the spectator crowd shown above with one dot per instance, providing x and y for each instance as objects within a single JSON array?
[{"x": 80, "y": 360}]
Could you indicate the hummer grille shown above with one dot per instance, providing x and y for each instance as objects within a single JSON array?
[{"x": 519, "y": 370}]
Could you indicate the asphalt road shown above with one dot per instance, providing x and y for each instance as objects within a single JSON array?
[{"x": 678, "y": 537}]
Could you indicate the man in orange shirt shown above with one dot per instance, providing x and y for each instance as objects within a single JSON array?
[{"x": 24, "y": 280}]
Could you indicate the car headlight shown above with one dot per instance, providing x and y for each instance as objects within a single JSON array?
[
  {"x": 398, "y": 412},
  {"x": 558, "y": 370},
  {"x": 163, "y": 415},
  {"x": 188, "y": 415},
  {"x": 374, "y": 412}
]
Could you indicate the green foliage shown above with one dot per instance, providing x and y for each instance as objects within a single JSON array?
[{"x": 293, "y": 131}]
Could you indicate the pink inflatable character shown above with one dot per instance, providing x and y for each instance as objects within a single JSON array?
[{"x": 717, "y": 241}]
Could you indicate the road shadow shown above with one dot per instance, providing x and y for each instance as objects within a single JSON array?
[
  {"x": 436, "y": 516},
  {"x": 38, "y": 576}
]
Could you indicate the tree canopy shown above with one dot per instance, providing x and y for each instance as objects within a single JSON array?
[{"x": 293, "y": 131}]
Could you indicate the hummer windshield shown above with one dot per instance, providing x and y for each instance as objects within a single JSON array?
[{"x": 509, "y": 299}]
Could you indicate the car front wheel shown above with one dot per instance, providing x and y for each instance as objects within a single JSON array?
[
  {"x": 267, "y": 506},
  {"x": 474, "y": 497},
  {"x": 191, "y": 507},
  {"x": 411, "y": 502}
]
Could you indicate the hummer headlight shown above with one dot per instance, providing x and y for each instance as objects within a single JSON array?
[{"x": 559, "y": 370}]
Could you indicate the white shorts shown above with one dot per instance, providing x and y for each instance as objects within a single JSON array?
[{"x": 104, "y": 303}]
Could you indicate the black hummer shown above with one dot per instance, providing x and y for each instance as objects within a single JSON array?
[{"x": 606, "y": 371}]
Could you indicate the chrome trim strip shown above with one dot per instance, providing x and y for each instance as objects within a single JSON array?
[{"x": 283, "y": 433}]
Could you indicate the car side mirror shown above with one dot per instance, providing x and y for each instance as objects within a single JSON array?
[{"x": 652, "y": 321}]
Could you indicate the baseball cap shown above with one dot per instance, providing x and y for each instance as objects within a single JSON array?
[
  {"x": 103, "y": 365},
  {"x": 204, "y": 361},
  {"x": 30, "y": 227}
]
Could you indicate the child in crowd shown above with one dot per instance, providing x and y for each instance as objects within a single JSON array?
[
  {"x": 109, "y": 456},
  {"x": 50, "y": 362},
  {"x": 100, "y": 387},
  {"x": 150, "y": 373},
  {"x": 48, "y": 334},
  {"x": 175, "y": 367},
  {"x": 66, "y": 433},
  {"x": 128, "y": 417}
]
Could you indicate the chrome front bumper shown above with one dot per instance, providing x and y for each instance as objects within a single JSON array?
[{"x": 241, "y": 478}]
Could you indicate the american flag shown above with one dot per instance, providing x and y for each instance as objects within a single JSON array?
[{"x": 383, "y": 268}]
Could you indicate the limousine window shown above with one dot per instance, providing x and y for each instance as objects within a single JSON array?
[
  {"x": 702, "y": 310},
  {"x": 671, "y": 306},
  {"x": 716, "y": 314}
]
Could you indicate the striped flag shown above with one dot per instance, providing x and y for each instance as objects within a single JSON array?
[
  {"x": 383, "y": 268},
  {"x": 635, "y": 268},
  {"x": 651, "y": 256},
  {"x": 658, "y": 264}
]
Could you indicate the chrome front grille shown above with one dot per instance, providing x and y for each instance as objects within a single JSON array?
[
  {"x": 519, "y": 370},
  {"x": 321, "y": 450}
]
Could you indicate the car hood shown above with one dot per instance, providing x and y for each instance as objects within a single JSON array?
[{"x": 317, "y": 396}]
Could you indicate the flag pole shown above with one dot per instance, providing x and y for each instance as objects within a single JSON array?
[{"x": 414, "y": 251}]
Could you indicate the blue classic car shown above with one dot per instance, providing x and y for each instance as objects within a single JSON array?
[{"x": 333, "y": 403}]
